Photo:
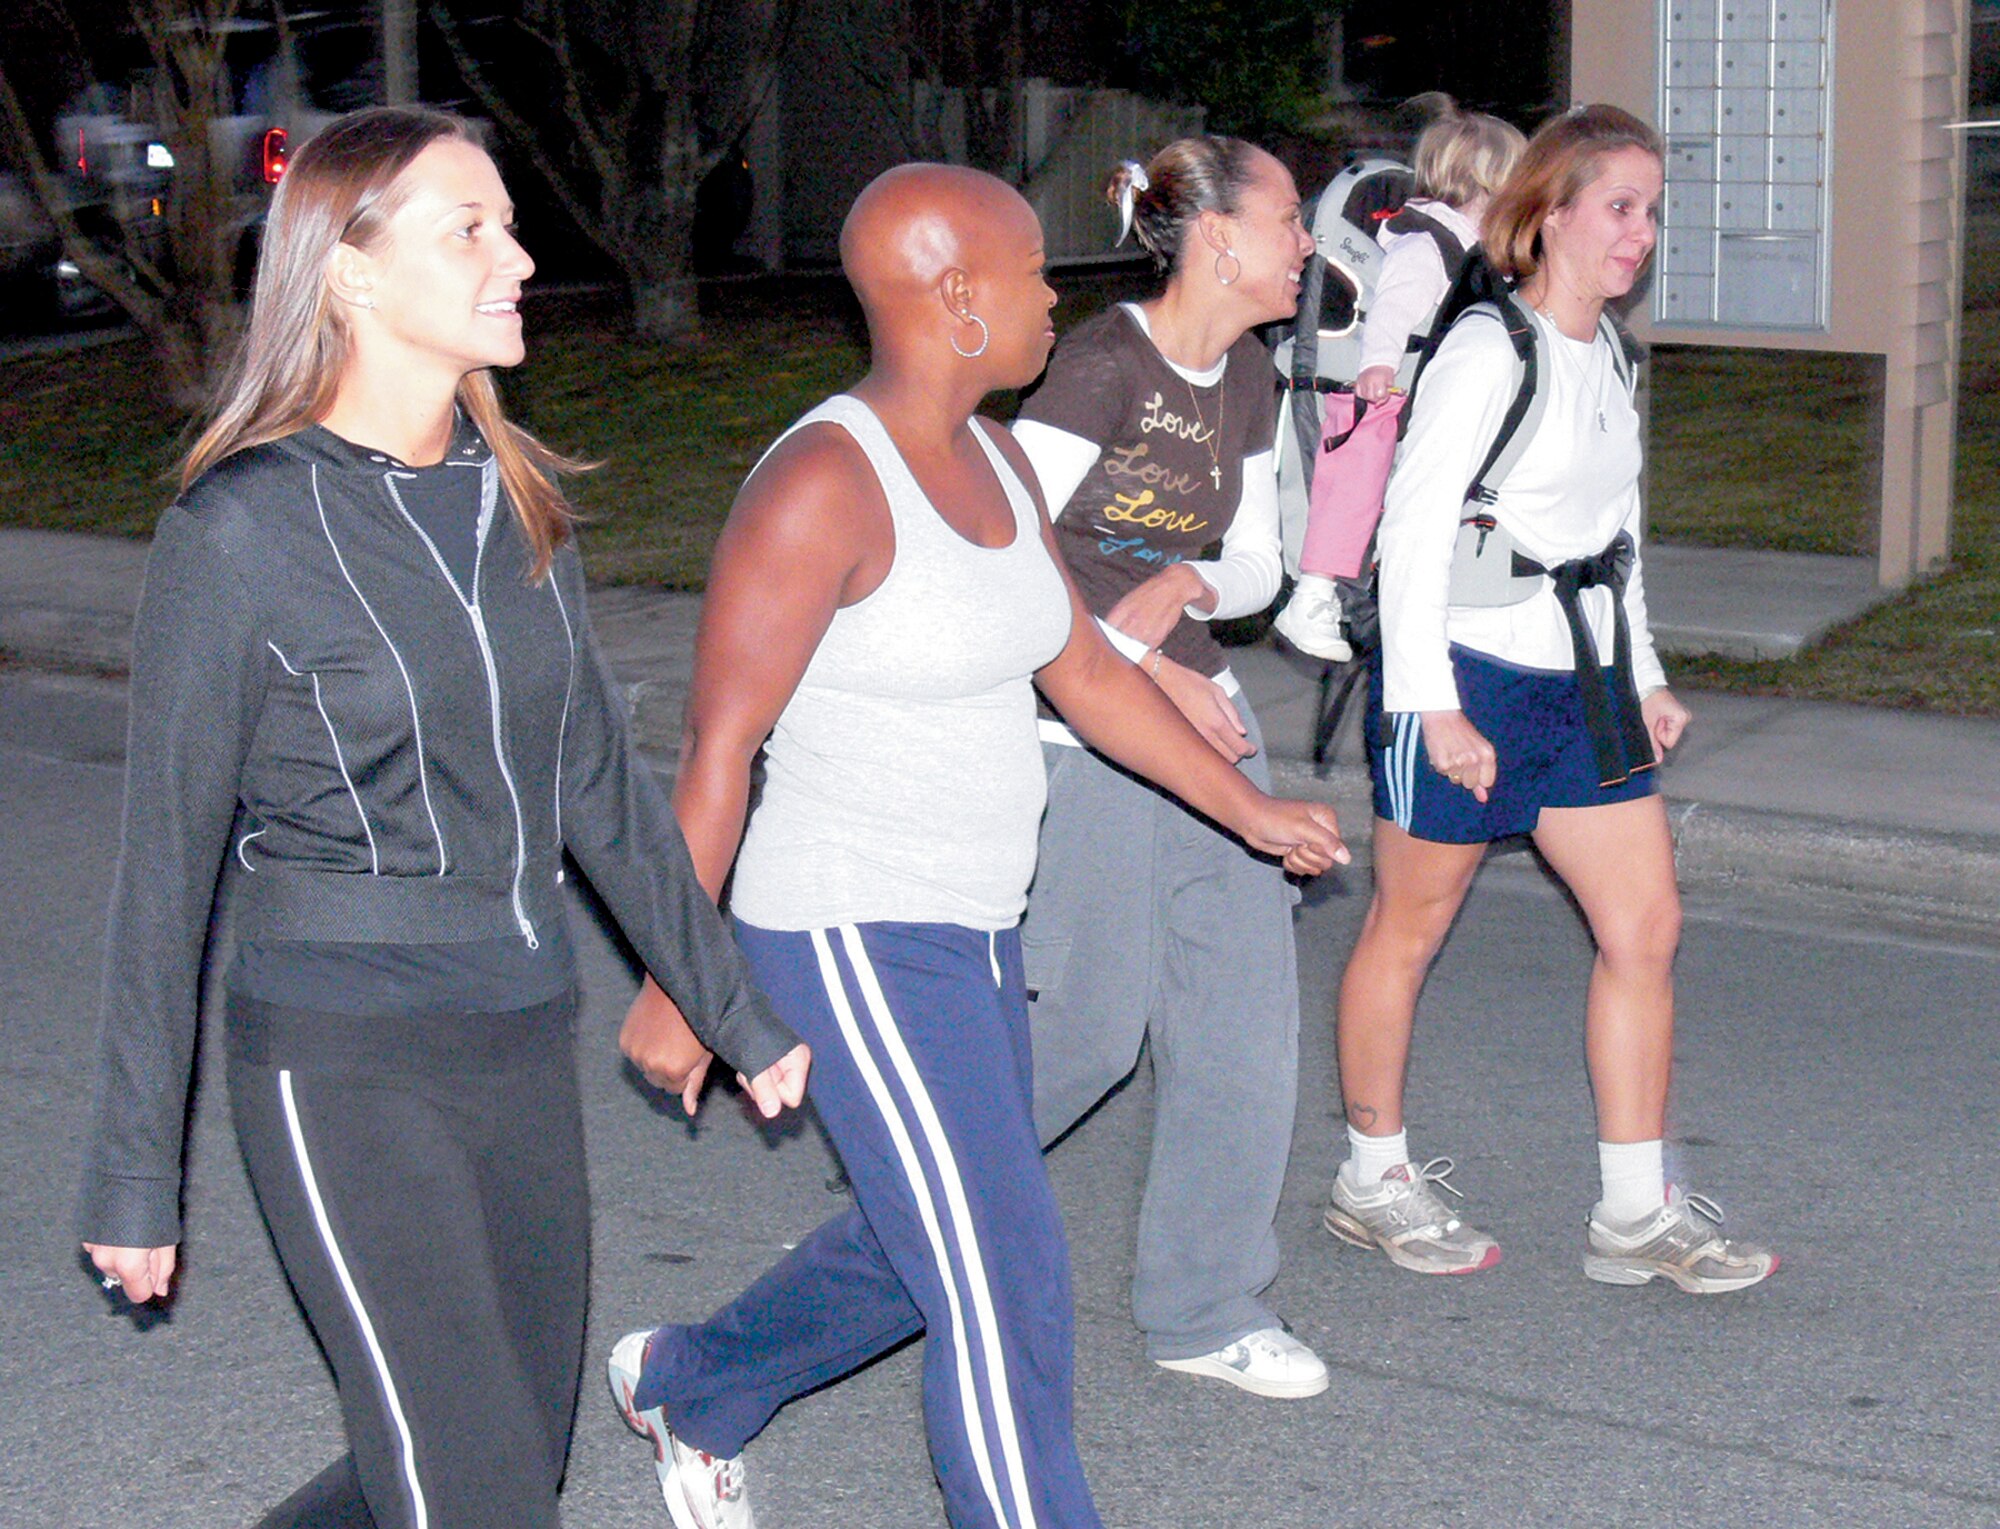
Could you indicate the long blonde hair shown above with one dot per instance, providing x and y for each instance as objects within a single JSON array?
[{"x": 342, "y": 188}]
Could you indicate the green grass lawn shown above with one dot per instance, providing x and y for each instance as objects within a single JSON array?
[
  {"x": 1772, "y": 450},
  {"x": 1762, "y": 449}
]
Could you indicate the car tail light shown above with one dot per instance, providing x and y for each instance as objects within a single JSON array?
[
  {"x": 274, "y": 156},
  {"x": 82, "y": 159}
]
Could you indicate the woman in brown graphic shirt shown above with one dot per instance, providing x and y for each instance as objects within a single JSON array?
[{"x": 1152, "y": 436}]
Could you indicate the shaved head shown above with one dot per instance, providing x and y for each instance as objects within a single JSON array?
[{"x": 914, "y": 223}]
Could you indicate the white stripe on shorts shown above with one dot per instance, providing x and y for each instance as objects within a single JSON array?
[{"x": 1401, "y": 766}]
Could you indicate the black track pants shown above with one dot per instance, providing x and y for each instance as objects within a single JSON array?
[{"x": 423, "y": 1180}]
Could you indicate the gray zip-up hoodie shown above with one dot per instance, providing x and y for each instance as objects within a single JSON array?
[{"x": 389, "y": 758}]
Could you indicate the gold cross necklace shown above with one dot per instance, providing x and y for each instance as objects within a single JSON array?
[{"x": 1207, "y": 436}]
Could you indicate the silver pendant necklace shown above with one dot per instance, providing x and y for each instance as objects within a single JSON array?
[{"x": 1584, "y": 367}]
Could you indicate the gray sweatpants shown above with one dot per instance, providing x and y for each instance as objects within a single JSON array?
[{"x": 1145, "y": 922}]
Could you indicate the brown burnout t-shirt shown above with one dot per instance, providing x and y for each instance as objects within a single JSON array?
[{"x": 1170, "y": 471}]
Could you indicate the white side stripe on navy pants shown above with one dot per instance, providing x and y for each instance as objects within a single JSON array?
[
  {"x": 951, "y": 1192},
  {"x": 922, "y": 1078}
]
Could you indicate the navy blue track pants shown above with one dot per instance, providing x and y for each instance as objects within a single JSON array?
[{"x": 921, "y": 1075}]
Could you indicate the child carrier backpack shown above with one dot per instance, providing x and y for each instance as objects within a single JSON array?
[
  {"x": 1319, "y": 357},
  {"x": 1321, "y": 352},
  {"x": 1486, "y": 570}
]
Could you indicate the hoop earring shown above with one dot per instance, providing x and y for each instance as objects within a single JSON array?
[
  {"x": 1230, "y": 279},
  {"x": 985, "y": 335}
]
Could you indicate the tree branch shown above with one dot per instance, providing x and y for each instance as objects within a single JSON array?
[{"x": 589, "y": 220}]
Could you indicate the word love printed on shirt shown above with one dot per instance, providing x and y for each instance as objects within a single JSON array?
[
  {"x": 1159, "y": 417},
  {"x": 1154, "y": 482}
]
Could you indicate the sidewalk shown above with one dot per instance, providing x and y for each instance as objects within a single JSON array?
[{"x": 1897, "y": 812}]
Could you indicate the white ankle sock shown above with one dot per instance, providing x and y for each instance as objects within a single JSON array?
[
  {"x": 1369, "y": 1157},
  {"x": 1635, "y": 1183}
]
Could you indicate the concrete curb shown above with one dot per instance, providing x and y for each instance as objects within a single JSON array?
[{"x": 1909, "y": 877}]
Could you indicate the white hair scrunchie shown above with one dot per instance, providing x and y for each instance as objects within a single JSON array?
[{"x": 1135, "y": 182}]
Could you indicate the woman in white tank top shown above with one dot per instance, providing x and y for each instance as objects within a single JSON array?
[{"x": 880, "y": 598}]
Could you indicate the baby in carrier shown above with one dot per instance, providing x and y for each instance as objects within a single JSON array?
[{"x": 1461, "y": 160}]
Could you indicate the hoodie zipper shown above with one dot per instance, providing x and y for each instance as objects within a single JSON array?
[{"x": 478, "y": 618}]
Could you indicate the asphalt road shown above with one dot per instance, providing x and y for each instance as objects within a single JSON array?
[{"x": 1835, "y": 1091}]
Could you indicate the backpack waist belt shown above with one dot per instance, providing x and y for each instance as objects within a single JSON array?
[{"x": 1611, "y": 712}]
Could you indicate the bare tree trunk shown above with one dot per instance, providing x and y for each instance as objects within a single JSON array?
[
  {"x": 180, "y": 326},
  {"x": 665, "y": 303},
  {"x": 637, "y": 81}
]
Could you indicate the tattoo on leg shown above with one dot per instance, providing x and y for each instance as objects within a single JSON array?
[{"x": 1362, "y": 1116}]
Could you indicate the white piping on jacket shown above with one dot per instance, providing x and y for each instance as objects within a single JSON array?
[
  {"x": 244, "y": 842},
  {"x": 488, "y": 497},
  {"x": 562, "y": 727},
  {"x": 416, "y": 718},
  {"x": 374, "y": 859}
]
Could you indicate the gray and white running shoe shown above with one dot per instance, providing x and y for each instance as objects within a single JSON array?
[
  {"x": 1403, "y": 1216},
  {"x": 1681, "y": 1241},
  {"x": 702, "y": 1491}
]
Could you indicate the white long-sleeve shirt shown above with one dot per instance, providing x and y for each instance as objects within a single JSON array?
[
  {"x": 1412, "y": 284},
  {"x": 1574, "y": 487}
]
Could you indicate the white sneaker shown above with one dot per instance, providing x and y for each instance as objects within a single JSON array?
[
  {"x": 1310, "y": 620},
  {"x": 701, "y": 1490},
  {"x": 1269, "y": 1362}
]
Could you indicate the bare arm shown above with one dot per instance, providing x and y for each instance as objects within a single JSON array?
[{"x": 808, "y": 534}]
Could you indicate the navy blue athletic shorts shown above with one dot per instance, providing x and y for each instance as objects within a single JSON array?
[{"x": 1534, "y": 720}]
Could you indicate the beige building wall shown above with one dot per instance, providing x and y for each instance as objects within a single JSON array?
[{"x": 1896, "y": 174}]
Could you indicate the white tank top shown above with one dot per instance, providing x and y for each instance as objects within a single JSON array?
[{"x": 903, "y": 780}]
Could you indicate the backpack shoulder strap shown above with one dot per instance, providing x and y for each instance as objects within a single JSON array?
[
  {"x": 1451, "y": 249},
  {"x": 1626, "y": 352},
  {"x": 1524, "y": 412}
]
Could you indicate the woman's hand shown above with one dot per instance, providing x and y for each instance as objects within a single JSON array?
[
  {"x": 1306, "y": 835},
  {"x": 782, "y": 1085},
  {"x": 1208, "y": 709},
  {"x": 1460, "y": 753},
  {"x": 1374, "y": 383},
  {"x": 1666, "y": 719},
  {"x": 1153, "y": 609},
  {"x": 657, "y": 1040},
  {"x": 142, "y": 1273}
]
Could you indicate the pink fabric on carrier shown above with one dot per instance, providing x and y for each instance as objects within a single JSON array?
[{"x": 1349, "y": 478}]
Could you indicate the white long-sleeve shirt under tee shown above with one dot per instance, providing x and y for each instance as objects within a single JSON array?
[{"x": 1249, "y": 567}]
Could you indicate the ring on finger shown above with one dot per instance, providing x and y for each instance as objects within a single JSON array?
[{"x": 111, "y": 1282}]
